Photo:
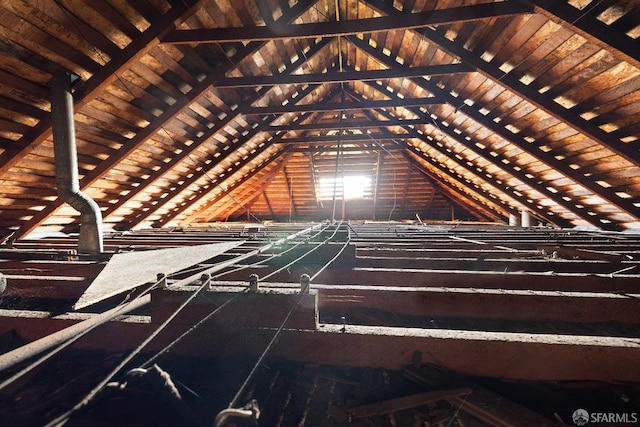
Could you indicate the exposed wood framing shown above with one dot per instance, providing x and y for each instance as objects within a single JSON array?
[{"x": 342, "y": 28}]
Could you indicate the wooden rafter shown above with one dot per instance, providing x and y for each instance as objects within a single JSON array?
[
  {"x": 157, "y": 124},
  {"x": 360, "y": 148},
  {"x": 412, "y": 133},
  {"x": 240, "y": 143},
  {"x": 542, "y": 101},
  {"x": 87, "y": 91},
  {"x": 497, "y": 160},
  {"x": 499, "y": 206},
  {"x": 212, "y": 206},
  {"x": 349, "y": 27},
  {"x": 268, "y": 203},
  {"x": 141, "y": 137},
  {"x": 473, "y": 205},
  {"x": 206, "y": 136},
  {"x": 289, "y": 185},
  {"x": 516, "y": 139}
]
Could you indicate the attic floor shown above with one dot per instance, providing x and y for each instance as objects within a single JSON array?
[{"x": 439, "y": 279}]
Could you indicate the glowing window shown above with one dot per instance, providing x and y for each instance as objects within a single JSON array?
[{"x": 353, "y": 187}]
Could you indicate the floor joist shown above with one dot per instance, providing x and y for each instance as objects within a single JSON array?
[{"x": 491, "y": 354}]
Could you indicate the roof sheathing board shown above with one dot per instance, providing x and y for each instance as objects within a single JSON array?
[{"x": 546, "y": 56}]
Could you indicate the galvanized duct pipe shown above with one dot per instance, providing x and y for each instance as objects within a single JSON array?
[{"x": 66, "y": 163}]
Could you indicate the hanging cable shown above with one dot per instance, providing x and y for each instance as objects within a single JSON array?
[
  {"x": 191, "y": 329},
  {"x": 245, "y": 384},
  {"x": 315, "y": 248},
  {"x": 62, "y": 419},
  {"x": 207, "y": 317},
  {"x": 335, "y": 175},
  {"x": 331, "y": 260},
  {"x": 116, "y": 312},
  {"x": 257, "y": 365}
]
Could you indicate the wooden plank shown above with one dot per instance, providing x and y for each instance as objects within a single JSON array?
[
  {"x": 406, "y": 402},
  {"x": 619, "y": 283},
  {"x": 346, "y": 106},
  {"x": 603, "y": 35},
  {"x": 493, "y": 409}
]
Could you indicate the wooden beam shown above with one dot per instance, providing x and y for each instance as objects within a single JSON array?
[
  {"x": 199, "y": 174},
  {"x": 288, "y": 182},
  {"x": 472, "y": 205},
  {"x": 516, "y": 280},
  {"x": 516, "y": 139},
  {"x": 262, "y": 308},
  {"x": 501, "y": 162},
  {"x": 177, "y": 159},
  {"x": 432, "y": 302},
  {"x": 87, "y": 91},
  {"x": 213, "y": 201},
  {"x": 341, "y": 77},
  {"x": 157, "y": 124},
  {"x": 346, "y": 106},
  {"x": 247, "y": 196},
  {"x": 350, "y": 124},
  {"x": 444, "y": 169},
  {"x": 349, "y": 27},
  {"x": 517, "y": 356},
  {"x": 542, "y": 101},
  {"x": 345, "y": 138},
  {"x": 268, "y": 203}
]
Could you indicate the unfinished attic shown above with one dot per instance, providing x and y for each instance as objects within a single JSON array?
[{"x": 319, "y": 213}]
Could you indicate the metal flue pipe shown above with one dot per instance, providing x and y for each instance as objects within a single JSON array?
[{"x": 66, "y": 164}]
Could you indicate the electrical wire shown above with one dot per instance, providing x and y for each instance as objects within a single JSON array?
[
  {"x": 256, "y": 366},
  {"x": 315, "y": 248},
  {"x": 346, "y": 244},
  {"x": 207, "y": 317},
  {"x": 191, "y": 329},
  {"x": 274, "y": 339},
  {"x": 62, "y": 419},
  {"x": 70, "y": 341}
]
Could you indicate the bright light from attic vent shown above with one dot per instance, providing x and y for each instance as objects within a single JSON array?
[{"x": 355, "y": 187}]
